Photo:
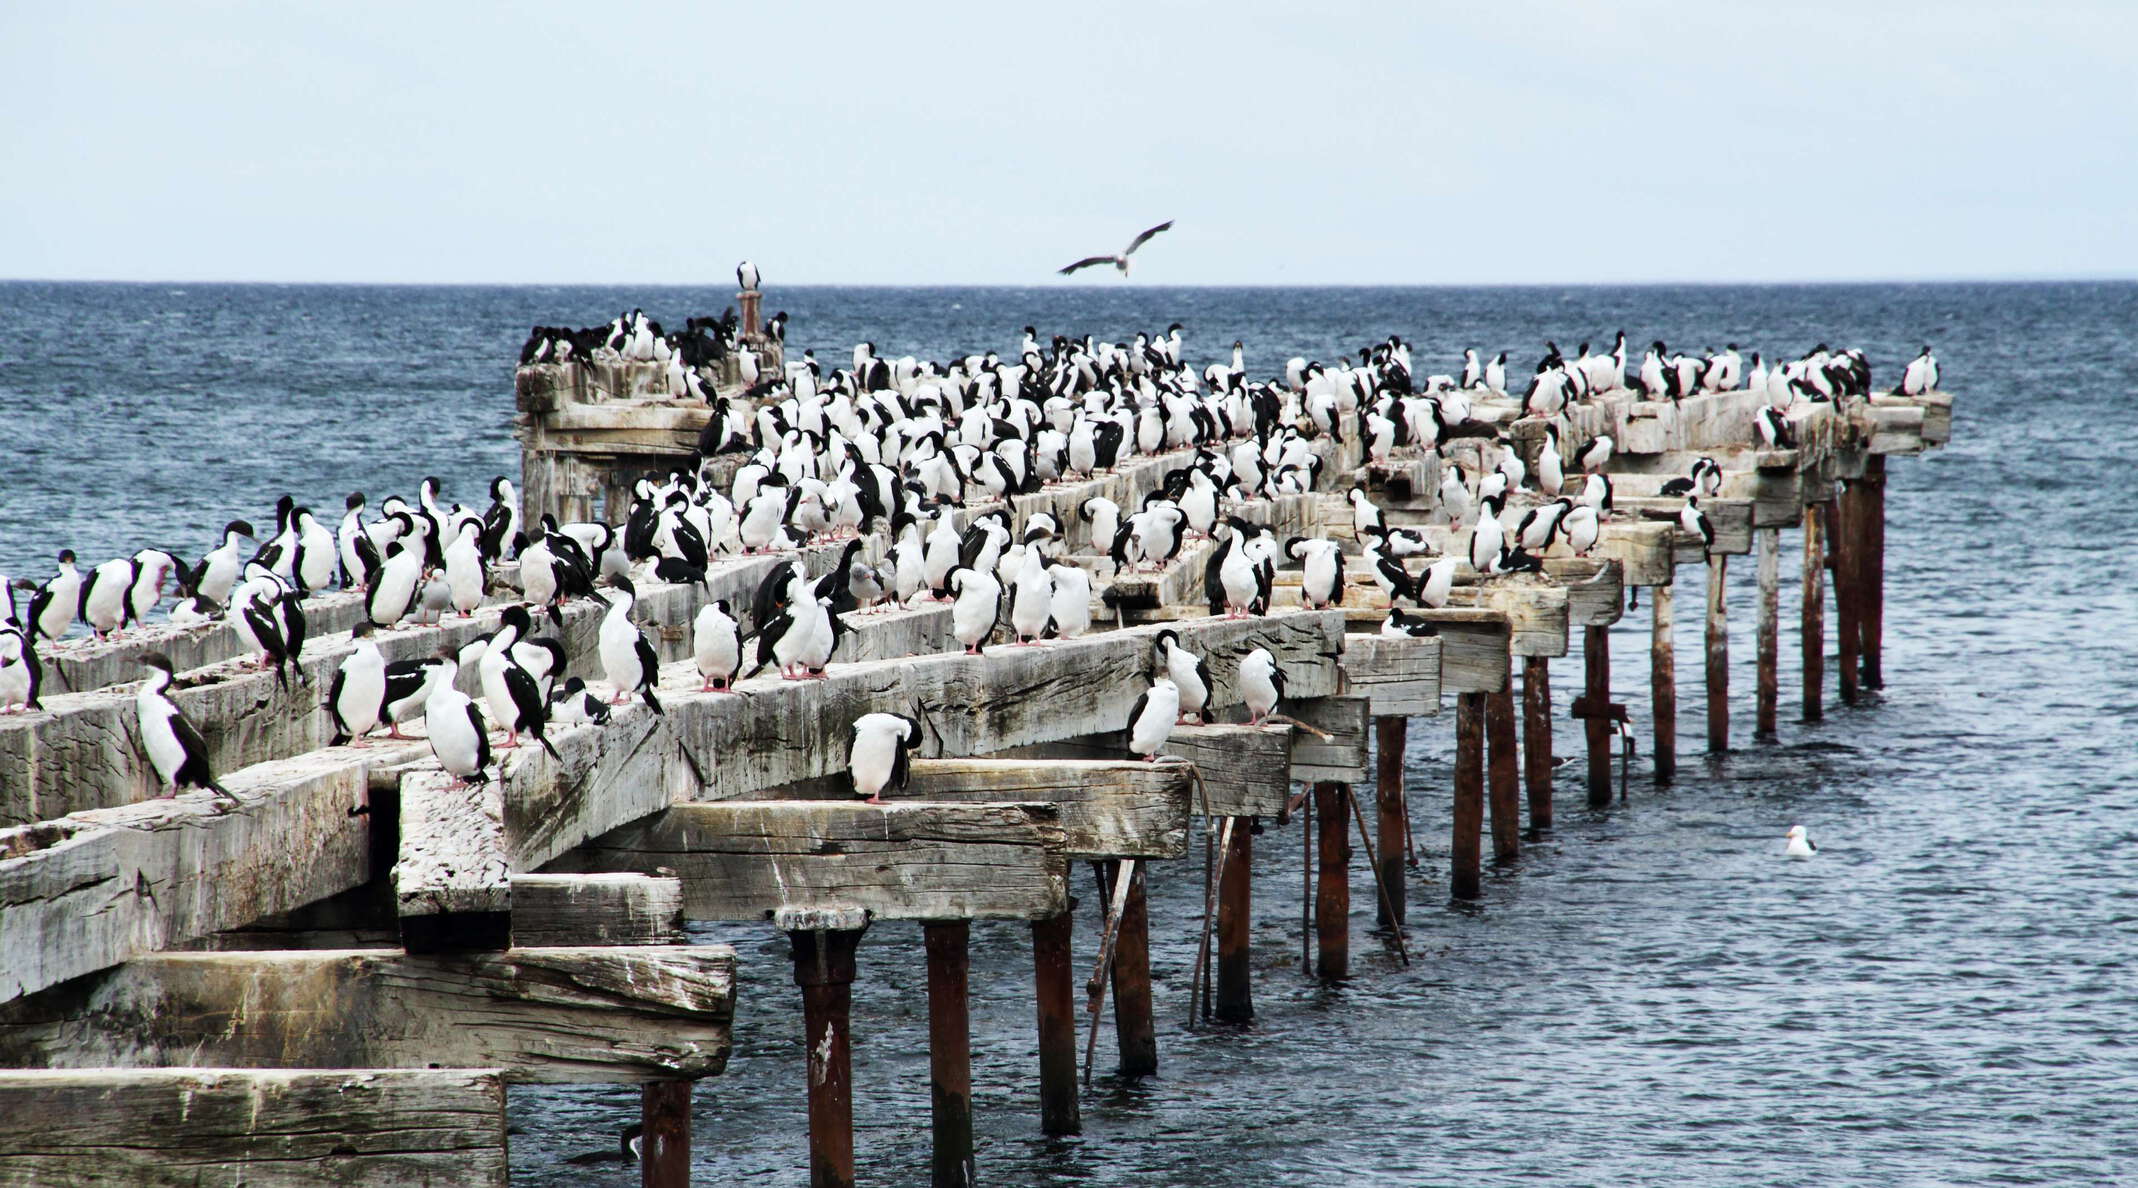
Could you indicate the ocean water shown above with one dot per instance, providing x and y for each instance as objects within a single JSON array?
[{"x": 1649, "y": 996}]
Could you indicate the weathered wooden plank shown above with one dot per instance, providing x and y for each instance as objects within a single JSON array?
[
  {"x": 1399, "y": 676},
  {"x": 453, "y": 881},
  {"x": 1474, "y": 655},
  {"x": 1535, "y": 607},
  {"x": 96, "y": 888},
  {"x": 745, "y": 860},
  {"x": 1342, "y": 756},
  {"x": 635, "y": 1013},
  {"x": 1245, "y": 769},
  {"x": 561, "y": 910},
  {"x": 212, "y": 1127},
  {"x": 1117, "y": 809},
  {"x": 1595, "y": 590}
]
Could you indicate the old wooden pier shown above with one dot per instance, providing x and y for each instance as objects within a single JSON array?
[{"x": 339, "y": 977}]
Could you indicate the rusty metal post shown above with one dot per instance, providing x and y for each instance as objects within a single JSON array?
[
  {"x": 1770, "y": 681},
  {"x": 824, "y": 969},
  {"x": 1813, "y": 633},
  {"x": 1503, "y": 773},
  {"x": 1464, "y": 848},
  {"x": 1391, "y": 818},
  {"x": 1596, "y": 661},
  {"x": 1718, "y": 654},
  {"x": 1332, "y": 895},
  {"x": 1873, "y": 610},
  {"x": 950, "y": 1051},
  {"x": 1054, "y": 990},
  {"x": 664, "y": 1135},
  {"x": 1537, "y": 765},
  {"x": 1663, "y": 686},
  {"x": 753, "y": 325},
  {"x": 1135, "y": 1027},
  {"x": 1841, "y": 553},
  {"x": 1235, "y": 993}
]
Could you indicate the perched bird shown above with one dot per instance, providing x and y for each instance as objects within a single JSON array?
[
  {"x": 1695, "y": 521},
  {"x": 410, "y": 683},
  {"x": 573, "y": 704},
  {"x": 1189, "y": 675},
  {"x": 458, "y": 738},
  {"x": 1321, "y": 576},
  {"x": 21, "y": 674},
  {"x": 1580, "y": 528},
  {"x": 356, "y": 701},
  {"x": 747, "y": 277},
  {"x": 516, "y": 699},
  {"x": 1069, "y": 614},
  {"x": 1594, "y": 453},
  {"x": 716, "y": 644},
  {"x": 1119, "y": 262},
  {"x": 976, "y": 607},
  {"x": 1799, "y": 845},
  {"x": 879, "y": 761},
  {"x": 1432, "y": 587},
  {"x": 626, "y": 658},
  {"x": 175, "y": 749},
  {"x": 1261, "y": 685},
  {"x": 1151, "y": 719},
  {"x": 1921, "y": 375},
  {"x": 1031, "y": 597},
  {"x": 1401, "y": 626},
  {"x": 54, "y": 605}
]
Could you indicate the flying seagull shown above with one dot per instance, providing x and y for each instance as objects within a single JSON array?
[{"x": 1120, "y": 261}]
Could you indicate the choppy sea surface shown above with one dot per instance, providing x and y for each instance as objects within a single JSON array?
[{"x": 1651, "y": 995}]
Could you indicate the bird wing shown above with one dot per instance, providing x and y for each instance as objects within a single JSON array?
[
  {"x": 1140, "y": 239},
  {"x": 1088, "y": 261}
]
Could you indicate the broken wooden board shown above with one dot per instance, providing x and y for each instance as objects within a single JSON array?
[
  {"x": 1398, "y": 675},
  {"x": 572, "y": 1015},
  {"x": 93, "y": 889},
  {"x": 1595, "y": 589},
  {"x": 1348, "y": 722},
  {"x": 745, "y": 860},
  {"x": 563, "y": 910},
  {"x": 214, "y": 1127},
  {"x": 1245, "y": 770},
  {"x": 1108, "y": 809},
  {"x": 453, "y": 881}
]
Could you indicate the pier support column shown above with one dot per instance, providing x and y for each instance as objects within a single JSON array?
[
  {"x": 1770, "y": 684},
  {"x": 1464, "y": 876},
  {"x": 1135, "y": 1028},
  {"x": 1504, "y": 773},
  {"x": 1841, "y": 554},
  {"x": 1718, "y": 655},
  {"x": 1332, "y": 893},
  {"x": 1390, "y": 736},
  {"x": 1663, "y": 685},
  {"x": 1596, "y": 662},
  {"x": 752, "y": 313},
  {"x": 664, "y": 1135},
  {"x": 950, "y": 1051},
  {"x": 1537, "y": 740},
  {"x": 1874, "y": 572},
  {"x": 1813, "y": 632},
  {"x": 1235, "y": 898},
  {"x": 1054, "y": 992},
  {"x": 824, "y": 969}
]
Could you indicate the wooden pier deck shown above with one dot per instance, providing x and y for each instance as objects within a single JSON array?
[{"x": 166, "y": 964}]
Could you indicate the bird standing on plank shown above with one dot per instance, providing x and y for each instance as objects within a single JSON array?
[{"x": 880, "y": 759}]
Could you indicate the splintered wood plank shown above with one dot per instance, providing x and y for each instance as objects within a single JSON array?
[
  {"x": 453, "y": 880},
  {"x": 1595, "y": 589},
  {"x": 1342, "y": 756},
  {"x": 1246, "y": 770},
  {"x": 558, "y": 910},
  {"x": 623, "y": 1014},
  {"x": 746, "y": 860},
  {"x": 1399, "y": 675},
  {"x": 1121, "y": 809},
  {"x": 213, "y": 1127},
  {"x": 96, "y": 888}
]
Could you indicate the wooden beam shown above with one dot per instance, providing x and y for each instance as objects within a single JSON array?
[
  {"x": 1054, "y": 995},
  {"x": 1391, "y": 814},
  {"x": 1332, "y": 890},
  {"x": 453, "y": 883},
  {"x": 1812, "y": 635},
  {"x": 216, "y": 1127},
  {"x": 1504, "y": 776},
  {"x": 1245, "y": 769},
  {"x": 1400, "y": 676},
  {"x": 1663, "y": 686},
  {"x": 746, "y": 860},
  {"x": 1468, "y": 822},
  {"x": 1769, "y": 642},
  {"x": 96, "y": 888},
  {"x": 1537, "y": 764},
  {"x": 550, "y": 910},
  {"x": 542, "y": 1015},
  {"x": 1108, "y": 808},
  {"x": 1718, "y": 654},
  {"x": 1348, "y": 722},
  {"x": 1596, "y": 690}
]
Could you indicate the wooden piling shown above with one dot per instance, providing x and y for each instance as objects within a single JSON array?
[
  {"x": 664, "y": 1137},
  {"x": 1841, "y": 554},
  {"x": 1537, "y": 767},
  {"x": 1332, "y": 895},
  {"x": 1135, "y": 1027},
  {"x": 1389, "y": 739},
  {"x": 950, "y": 1051},
  {"x": 1464, "y": 879},
  {"x": 1873, "y": 610},
  {"x": 1663, "y": 686},
  {"x": 1596, "y": 662},
  {"x": 1235, "y": 993},
  {"x": 1054, "y": 992},
  {"x": 1813, "y": 632},
  {"x": 1505, "y": 791},
  {"x": 1718, "y": 655},
  {"x": 824, "y": 969},
  {"x": 1770, "y": 686}
]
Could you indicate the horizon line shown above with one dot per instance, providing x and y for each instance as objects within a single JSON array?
[{"x": 2011, "y": 279}]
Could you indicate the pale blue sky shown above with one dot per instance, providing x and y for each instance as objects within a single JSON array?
[{"x": 990, "y": 143}]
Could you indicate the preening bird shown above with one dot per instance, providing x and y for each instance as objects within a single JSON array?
[
  {"x": 1261, "y": 685},
  {"x": 882, "y": 750},
  {"x": 716, "y": 644},
  {"x": 1151, "y": 719},
  {"x": 1119, "y": 262}
]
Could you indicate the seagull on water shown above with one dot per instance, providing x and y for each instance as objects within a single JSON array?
[
  {"x": 1121, "y": 261},
  {"x": 1800, "y": 846}
]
